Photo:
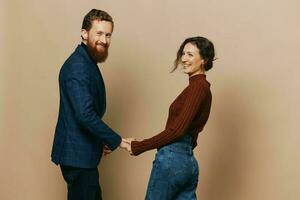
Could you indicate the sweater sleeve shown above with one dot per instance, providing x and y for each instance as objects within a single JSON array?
[{"x": 178, "y": 127}]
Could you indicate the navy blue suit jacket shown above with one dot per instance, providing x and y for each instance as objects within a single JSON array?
[{"x": 80, "y": 133}]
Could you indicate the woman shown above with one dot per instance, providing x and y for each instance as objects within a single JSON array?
[{"x": 175, "y": 170}]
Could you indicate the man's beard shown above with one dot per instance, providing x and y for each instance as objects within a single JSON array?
[{"x": 99, "y": 56}]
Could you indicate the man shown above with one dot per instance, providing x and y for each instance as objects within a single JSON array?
[{"x": 80, "y": 134}]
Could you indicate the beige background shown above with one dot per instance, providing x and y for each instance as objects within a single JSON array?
[{"x": 249, "y": 149}]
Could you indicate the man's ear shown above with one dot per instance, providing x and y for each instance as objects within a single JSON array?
[{"x": 84, "y": 34}]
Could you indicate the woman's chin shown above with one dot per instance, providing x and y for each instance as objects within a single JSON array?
[{"x": 186, "y": 72}]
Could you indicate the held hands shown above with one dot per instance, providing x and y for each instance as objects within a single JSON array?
[{"x": 125, "y": 144}]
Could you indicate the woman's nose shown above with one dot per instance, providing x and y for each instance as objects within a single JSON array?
[{"x": 183, "y": 58}]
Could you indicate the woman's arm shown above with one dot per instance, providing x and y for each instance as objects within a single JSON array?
[{"x": 195, "y": 95}]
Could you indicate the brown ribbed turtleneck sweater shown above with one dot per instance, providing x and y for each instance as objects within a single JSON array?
[{"x": 187, "y": 115}]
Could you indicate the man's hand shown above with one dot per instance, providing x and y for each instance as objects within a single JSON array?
[{"x": 106, "y": 150}]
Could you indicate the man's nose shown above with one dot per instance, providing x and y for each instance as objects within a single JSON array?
[{"x": 103, "y": 39}]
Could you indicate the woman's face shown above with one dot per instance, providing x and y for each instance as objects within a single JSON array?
[{"x": 191, "y": 60}]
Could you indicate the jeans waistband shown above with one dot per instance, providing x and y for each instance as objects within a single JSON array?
[{"x": 183, "y": 145}]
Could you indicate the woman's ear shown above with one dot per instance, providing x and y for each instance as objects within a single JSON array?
[{"x": 203, "y": 62}]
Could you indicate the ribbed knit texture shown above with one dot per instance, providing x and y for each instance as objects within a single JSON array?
[{"x": 188, "y": 114}]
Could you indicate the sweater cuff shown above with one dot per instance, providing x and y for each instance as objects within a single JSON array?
[{"x": 135, "y": 148}]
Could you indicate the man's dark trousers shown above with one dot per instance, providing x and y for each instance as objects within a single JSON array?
[{"x": 83, "y": 184}]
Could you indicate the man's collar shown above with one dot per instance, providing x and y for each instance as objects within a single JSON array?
[{"x": 87, "y": 51}]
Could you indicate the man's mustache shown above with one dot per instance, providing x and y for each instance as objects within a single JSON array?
[{"x": 102, "y": 44}]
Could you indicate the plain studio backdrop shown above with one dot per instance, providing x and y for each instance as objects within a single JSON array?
[{"x": 249, "y": 149}]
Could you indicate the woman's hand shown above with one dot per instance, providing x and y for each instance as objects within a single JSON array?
[{"x": 127, "y": 142}]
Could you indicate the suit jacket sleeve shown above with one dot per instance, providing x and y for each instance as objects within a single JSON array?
[{"x": 79, "y": 94}]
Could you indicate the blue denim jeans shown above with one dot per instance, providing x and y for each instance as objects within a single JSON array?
[{"x": 175, "y": 172}]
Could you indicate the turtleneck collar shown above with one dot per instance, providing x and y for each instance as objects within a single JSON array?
[{"x": 198, "y": 77}]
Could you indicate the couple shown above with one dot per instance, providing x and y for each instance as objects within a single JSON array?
[{"x": 81, "y": 137}]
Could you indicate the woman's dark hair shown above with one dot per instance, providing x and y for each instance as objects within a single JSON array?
[
  {"x": 95, "y": 14},
  {"x": 206, "y": 50}
]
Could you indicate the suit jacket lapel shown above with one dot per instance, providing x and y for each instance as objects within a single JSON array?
[
  {"x": 102, "y": 93},
  {"x": 99, "y": 82}
]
